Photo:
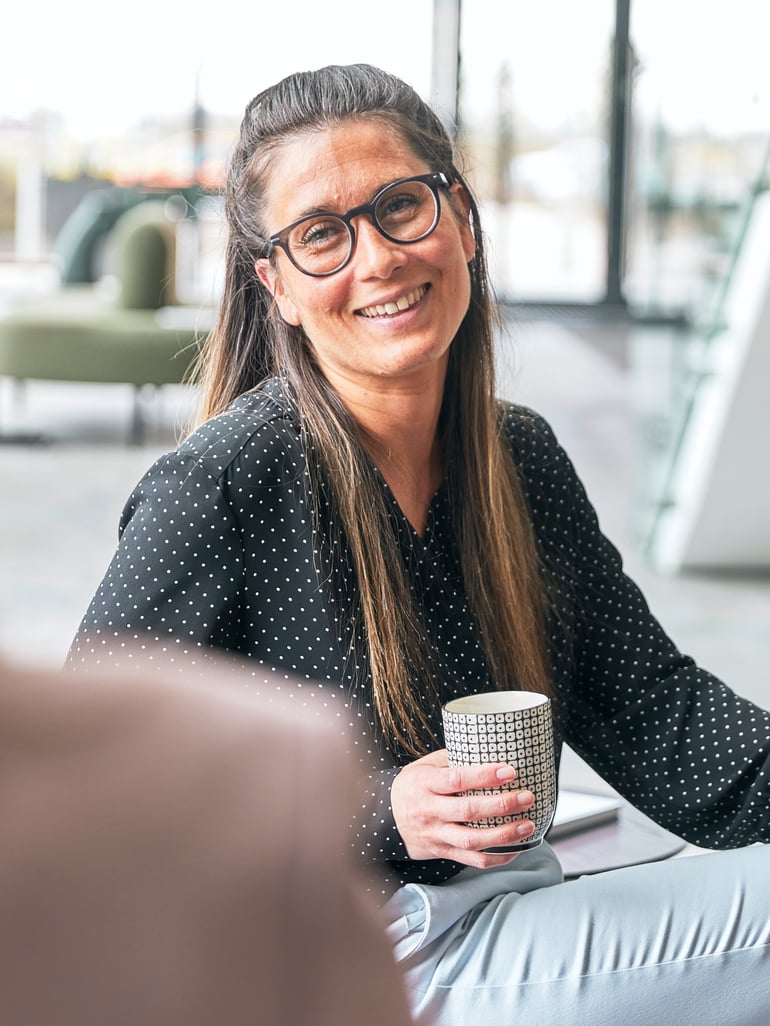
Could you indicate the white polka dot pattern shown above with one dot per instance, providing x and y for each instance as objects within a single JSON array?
[{"x": 217, "y": 550}]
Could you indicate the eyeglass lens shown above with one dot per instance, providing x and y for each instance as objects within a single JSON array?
[{"x": 405, "y": 212}]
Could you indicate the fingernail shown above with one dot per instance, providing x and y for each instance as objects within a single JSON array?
[
  {"x": 526, "y": 798},
  {"x": 523, "y": 829},
  {"x": 506, "y": 773}
]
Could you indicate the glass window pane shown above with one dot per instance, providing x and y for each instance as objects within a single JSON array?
[
  {"x": 119, "y": 104},
  {"x": 534, "y": 114},
  {"x": 701, "y": 127}
]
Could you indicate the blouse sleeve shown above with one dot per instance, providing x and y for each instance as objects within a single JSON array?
[
  {"x": 177, "y": 584},
  {"x": 175, "y": 575},
  {"x": 669, "y": 736}
]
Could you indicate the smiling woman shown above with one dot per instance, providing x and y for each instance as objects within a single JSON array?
[
  {"x": 369, "y": 390},
  {"x": 356, "y": 509}
]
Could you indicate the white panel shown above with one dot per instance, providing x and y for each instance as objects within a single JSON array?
[{"x": 720, "y": 515}]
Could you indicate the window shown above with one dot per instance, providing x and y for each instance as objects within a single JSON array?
[{"x": 534, "y": 115}]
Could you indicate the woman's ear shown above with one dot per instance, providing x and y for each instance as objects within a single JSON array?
[
  {"x": 274, "y": 284},
  {"x": 462, "y": 204}
]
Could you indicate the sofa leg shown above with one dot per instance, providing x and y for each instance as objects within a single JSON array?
[
  {"x": 19, "y": 394},
  {"x": 137, "y": 430},
  {"x": 18, "y": 386}
]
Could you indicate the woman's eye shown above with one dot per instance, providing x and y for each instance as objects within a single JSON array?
[
  {"x": 320, "y": 234},
  {"x": 398, "y": 206}
]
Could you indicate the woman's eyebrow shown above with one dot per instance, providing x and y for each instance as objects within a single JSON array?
[{"x": 321, "y": 208}]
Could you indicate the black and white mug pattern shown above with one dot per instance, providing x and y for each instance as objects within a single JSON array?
[{"x": 514, "y": 727}]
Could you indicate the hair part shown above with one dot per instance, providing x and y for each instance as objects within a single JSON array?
[{"x": 251, "y": 342}]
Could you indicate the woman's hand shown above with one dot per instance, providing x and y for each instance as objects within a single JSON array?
[{"x": 431, "y": 811}]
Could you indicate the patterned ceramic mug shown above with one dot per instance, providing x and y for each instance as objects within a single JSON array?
[{"x": 514, "y": 727}]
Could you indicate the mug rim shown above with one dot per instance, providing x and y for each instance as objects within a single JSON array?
[{"x": 487, "y": 702}]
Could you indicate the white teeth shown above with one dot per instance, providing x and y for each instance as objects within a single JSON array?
[{"x": 388, "y": 309}]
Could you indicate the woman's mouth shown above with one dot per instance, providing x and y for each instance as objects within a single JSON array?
[{"x": 396, "y": 306}]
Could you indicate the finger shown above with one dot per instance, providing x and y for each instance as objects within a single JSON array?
[
  {"x": 467, "y": 844},
  {"x": 478, "y": 859},
  {"x": 455, "y": 779},
  {"x": 465, "y": 808},
  {"x": 440, "y": 757}
]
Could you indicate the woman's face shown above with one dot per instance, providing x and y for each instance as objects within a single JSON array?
[{"x": 353, "y": 339}]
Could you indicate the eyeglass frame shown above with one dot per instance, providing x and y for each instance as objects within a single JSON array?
[{"x": 434, "y": 180}]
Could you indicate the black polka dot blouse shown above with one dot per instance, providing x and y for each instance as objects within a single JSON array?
[{"x": 218, "y": 550}]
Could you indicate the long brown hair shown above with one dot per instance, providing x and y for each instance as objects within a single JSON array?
[{"x": 250, "y": 342}]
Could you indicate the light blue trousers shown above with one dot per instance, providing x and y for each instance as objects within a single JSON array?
[{"x": 684, "y": 942}]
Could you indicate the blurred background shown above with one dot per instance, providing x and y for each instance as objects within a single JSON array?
[
  {"x": 154, "y": 101},
  {"x": 619, "y": 151}
]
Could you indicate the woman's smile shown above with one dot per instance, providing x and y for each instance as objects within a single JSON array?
[{"x": 390, "y": 307}]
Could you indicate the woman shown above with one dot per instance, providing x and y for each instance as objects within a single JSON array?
[{"x": 357, "y": 509}]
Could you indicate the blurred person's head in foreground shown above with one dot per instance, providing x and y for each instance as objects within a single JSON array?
[{"x": 161, "y": 863}]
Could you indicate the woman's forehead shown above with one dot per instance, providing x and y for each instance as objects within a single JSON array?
[{"x": 337, "y": 166}]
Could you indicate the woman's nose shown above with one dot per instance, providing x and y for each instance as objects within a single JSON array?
[{"x": 374, "y": 254}]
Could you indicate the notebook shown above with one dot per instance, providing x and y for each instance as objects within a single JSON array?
[{"x": 580, "y": 810}]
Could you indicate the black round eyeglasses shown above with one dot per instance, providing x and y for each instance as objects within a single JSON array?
[{"x": 405, "y": 211}]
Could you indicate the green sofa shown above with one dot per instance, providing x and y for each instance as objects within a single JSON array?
[{"x": 135, "y": 334}]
